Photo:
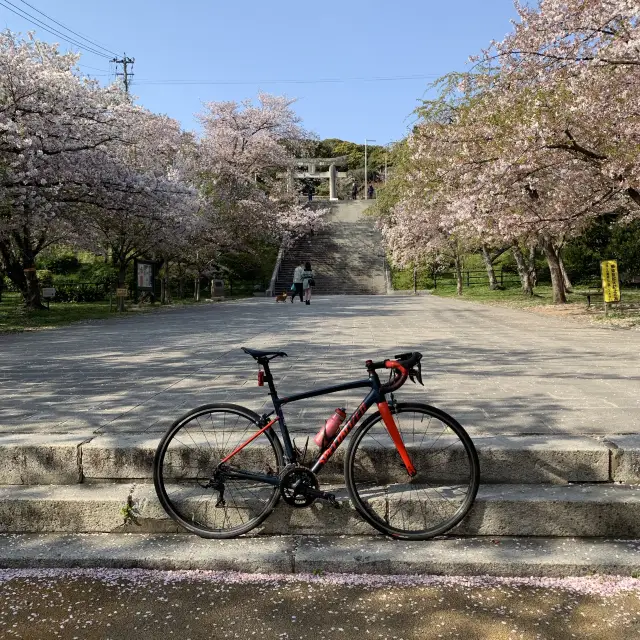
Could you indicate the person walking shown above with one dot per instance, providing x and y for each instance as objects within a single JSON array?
[
  {"x": 297, "y": 282},
  {"x": 370, "y": 192},
  {"x": 354, "y": 191},
  {"x": 307, "y": 282}
]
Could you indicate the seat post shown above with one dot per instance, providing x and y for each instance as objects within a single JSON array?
[{"x": 264, "y": 362}]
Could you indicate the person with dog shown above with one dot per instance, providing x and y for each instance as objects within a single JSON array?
[
  {"x": 296, "y": 289},
  {"x": 307, "y": 282}
]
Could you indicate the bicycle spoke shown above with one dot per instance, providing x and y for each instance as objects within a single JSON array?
[
  {"x": 437, "y": 497},
  {"x": 192, "y": 486}
]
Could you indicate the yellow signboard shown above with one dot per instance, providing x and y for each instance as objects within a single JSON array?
[
  {"x": 610, "y": 282},
  {"x": 122, "y": 293}
]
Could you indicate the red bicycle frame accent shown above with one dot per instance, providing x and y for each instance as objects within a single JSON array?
[
  {"x": 375, "y": 396},
  {"x": 392, "y": 428},
  {"x": 251, "y": 439}
]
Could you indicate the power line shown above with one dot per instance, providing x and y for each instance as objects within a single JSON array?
[
  {"x": 91, "y": 42},
  {"x": 86, "y": 66},
  {"x": 27, "y": 16},
  {"x": 315, "y": 81}
]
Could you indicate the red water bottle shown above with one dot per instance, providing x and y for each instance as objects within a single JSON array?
[{"x": 330, "y": 428}]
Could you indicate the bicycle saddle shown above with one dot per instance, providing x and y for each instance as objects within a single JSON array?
[{"x": 259, "y": 353}]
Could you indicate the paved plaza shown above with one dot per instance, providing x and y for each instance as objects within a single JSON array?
[{"x": 499, "y": 371}]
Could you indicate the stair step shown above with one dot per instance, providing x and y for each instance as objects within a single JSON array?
[
  {"x": 500, "y": 510},
  {"x": 64, "y": 459},
  {"x": 346, "y": 249}
]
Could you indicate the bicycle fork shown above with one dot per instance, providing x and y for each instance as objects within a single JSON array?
[{"x": 392, "y": 428}]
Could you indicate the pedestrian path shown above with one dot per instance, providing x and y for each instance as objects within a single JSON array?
[{"x": 498, "y": 371}]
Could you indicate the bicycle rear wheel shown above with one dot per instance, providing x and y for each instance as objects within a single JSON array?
[
  {"x": 185, "y": 464},
  {"x": 441, "y": 493}
]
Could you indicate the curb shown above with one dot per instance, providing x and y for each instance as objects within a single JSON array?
[{"x": 516, "y": 557}]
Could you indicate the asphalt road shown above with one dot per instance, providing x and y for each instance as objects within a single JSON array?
[{"x": 158, "y": 605}]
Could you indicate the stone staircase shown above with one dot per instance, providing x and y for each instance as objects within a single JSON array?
[
  {"x": 347, "y": 256},
  {"x": 561, "y": 486}
]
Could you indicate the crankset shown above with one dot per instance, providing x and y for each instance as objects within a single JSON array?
[{"x": 299, "y": 488}]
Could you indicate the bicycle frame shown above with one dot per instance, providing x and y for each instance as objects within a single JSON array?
[{"x": 375, "y": 396}]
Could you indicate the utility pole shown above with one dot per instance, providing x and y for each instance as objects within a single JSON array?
[{"x": 126, "y": 74}]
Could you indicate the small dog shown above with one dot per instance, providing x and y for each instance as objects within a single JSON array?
[{"x": 282, "y": 297}]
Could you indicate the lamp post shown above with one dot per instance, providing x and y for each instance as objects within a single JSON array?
[{"x": 366, "y": 181}]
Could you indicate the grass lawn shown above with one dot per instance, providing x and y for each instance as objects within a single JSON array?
[
  {"x": 15, "y": 318},
  {"x": 626, "y": 314}
]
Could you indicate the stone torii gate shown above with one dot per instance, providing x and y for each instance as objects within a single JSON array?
[{"x": 310, "y": 166}]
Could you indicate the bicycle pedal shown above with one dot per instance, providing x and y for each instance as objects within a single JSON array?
[{"x": 332, "y": 500}]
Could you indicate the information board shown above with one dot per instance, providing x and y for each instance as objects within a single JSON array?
[
  {"x": 610, "y": 281},
  {"x": 144, "y": 276}
]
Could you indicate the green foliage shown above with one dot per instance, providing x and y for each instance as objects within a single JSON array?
[
  {"x": 333, "y": 147},
  {"x": 402, "y": 279},
  {"x": 389, "y": 194},
  {"x": 60, "y": 264},
  {"x": 606, "y": 239},
  {"x": 59, "y": 260},
  {"x": 130, "y": 511},
  {"x": 253, "y": 265}
]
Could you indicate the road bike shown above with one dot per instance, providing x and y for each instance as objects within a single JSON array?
[{"x": 411, "y": 470}]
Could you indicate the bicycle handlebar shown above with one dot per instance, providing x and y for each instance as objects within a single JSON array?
[{"x": 403, "y": 367}]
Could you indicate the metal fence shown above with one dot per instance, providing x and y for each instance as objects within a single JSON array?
[{"x": 477, "y": 277}]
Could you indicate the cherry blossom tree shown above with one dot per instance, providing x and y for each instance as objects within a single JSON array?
[
  {"x": 540, "y": 138},
  {"x": 242, "y": 163},
  {"x": 51, "y": 120},
  {"x": 81, "y": 163}
]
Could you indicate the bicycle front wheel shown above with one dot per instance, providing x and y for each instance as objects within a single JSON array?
[
  {"x": 441, "y": 493},
  {"x": 184, "y": 471}
]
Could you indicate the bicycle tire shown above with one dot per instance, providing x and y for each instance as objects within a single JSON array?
[
  {"x": 195, "y": 452},
  {"x": 372, "y": 466}
]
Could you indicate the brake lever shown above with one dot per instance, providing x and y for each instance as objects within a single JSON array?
[{"x": 416, "y": 374}]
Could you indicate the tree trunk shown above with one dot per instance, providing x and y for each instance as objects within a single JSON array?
[
  {"x": 122, "y": 281},
  {"x": 533, "y": 274},
  {"x": 493, "y": 283},
  {"x": 20, "y": 268},
  {"x": 458, "y": 267},
  {"x": 523, "y": 271},
  {"x": 557, "y": 282},
  {"x": 167, "y": 284},
  {"x": 32, "y": 292},
  {"x": 196, "y": 292},
  {"x": 565, "y": 276}
]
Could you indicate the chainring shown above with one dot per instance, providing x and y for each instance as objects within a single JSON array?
[{"x": 292, "y": 483}]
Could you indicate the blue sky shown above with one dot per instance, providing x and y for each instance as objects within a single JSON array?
[{"x": 255, "y": 43}]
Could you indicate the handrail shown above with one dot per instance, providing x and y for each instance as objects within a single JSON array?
[{"x": 276, "y": 268}]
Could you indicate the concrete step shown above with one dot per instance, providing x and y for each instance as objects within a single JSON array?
[
  {"x": 319, "y": 555},
  {"x": 608, "y": 510},
  {"x": 68, "y": 459}
]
